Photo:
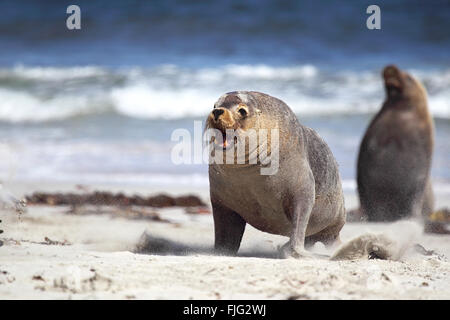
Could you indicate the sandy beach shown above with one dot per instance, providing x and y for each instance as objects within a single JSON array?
[{"x": 49, "y": 253}]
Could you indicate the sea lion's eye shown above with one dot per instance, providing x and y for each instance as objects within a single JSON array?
[{"x": 242, "y": 112}]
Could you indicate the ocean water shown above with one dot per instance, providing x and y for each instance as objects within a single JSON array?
[{"x": 99, "y": 105}]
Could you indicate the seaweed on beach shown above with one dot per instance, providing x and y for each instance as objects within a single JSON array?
[
  {"x": 1, "y": 231},
  {"x": 129, "y": 212},
  {"x": 102, "y": 198}
]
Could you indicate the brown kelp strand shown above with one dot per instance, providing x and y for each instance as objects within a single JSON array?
[{"x": 111, "y": 199}]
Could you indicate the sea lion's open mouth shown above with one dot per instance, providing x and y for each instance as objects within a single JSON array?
[
  {"x": 225, "y": 141},
  {"x": 392, "y": 83},
  {"x": 393, "y": 87}
]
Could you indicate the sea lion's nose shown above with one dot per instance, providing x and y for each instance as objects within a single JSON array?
[{"x": 217, "y": 113}]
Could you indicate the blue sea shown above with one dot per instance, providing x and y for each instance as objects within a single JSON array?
[{"x": 99, "y": 105}]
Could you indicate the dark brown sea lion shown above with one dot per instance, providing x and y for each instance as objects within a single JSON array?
[
  {"x": 395, "y": 155},
  {"x": 301, "y": 199}
]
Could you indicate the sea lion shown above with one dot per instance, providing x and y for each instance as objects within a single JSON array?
[
  {"x": 393, "y": 172},
  {"x": 302, "y": 199}
]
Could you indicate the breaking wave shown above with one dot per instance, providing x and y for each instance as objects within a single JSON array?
[{"x": 38, "y": 94}]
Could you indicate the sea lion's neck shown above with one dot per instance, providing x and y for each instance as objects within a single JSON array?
[{"x": 406, "y": 103}]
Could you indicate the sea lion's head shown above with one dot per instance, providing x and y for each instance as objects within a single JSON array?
[
  {"x": 401, "y": 85},
  {"x": 242, "y": 125},
  {"x": 234, "y": 112}
]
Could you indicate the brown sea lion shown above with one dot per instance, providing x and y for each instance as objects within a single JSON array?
[
  {"x": 301, "y": 199},
  {"x": 394, "y": 162}
]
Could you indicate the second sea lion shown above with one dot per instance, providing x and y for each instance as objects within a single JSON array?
[{"x": 394, "y": 161}]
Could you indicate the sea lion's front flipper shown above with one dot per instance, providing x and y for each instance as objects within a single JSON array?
[
  {"x": 228, "y": 229},
  {"x": 301, "y": 209},
  {"x": 286, "y": 252}
]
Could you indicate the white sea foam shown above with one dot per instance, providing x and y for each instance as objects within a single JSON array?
[
  {"x": 268, "y": 72},
  {"x": 51, "y": 93},
  {"x": 52, "y": 73},
  {"x": 141, "y": 101},
  {"x": 19, "y": 106}
]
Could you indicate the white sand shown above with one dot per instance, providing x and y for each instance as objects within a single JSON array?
[{"x": 99, "y": 263}]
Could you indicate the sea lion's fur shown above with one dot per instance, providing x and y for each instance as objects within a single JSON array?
[
  {"x": 395, "y": 155},
  {"x": 303, "y": 200}
]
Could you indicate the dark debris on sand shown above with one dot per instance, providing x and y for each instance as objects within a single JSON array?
[
  {"x": 129, "y": 212},
  {"x": 118, "y": 205},
  {"x": 1, "y": 231},
  {"x": 438, "y": 222},
  {"x": 49, "y": 241},
  {"x": 100, "y": 198}
]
